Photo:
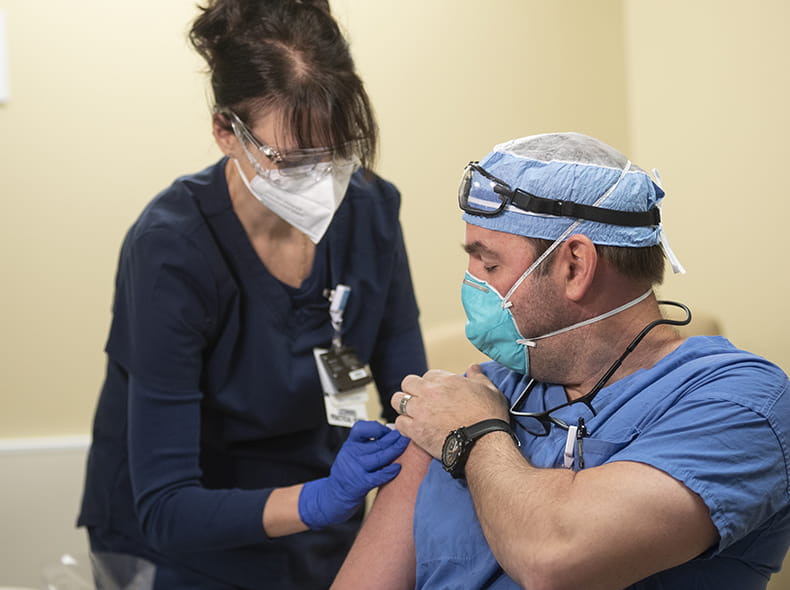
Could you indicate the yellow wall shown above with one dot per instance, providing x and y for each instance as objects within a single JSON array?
[
  {"x": 708, "y": 96},
  {"x": 108, "y": 105}
]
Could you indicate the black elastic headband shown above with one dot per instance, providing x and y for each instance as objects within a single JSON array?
[{"x": 533, "y": 204}]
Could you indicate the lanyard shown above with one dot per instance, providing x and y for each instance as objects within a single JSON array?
[{"x": 338, "y": 298}]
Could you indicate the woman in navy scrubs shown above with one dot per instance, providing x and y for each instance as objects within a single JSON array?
[{"x": 214, "y": 463}]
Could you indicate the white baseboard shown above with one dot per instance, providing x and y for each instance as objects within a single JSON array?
[
  {"x": 44, "y": 443},
  {"x": 40, "y": 494}
]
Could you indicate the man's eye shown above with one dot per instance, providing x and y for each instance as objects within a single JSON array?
[{"x": 491, "y": 268}]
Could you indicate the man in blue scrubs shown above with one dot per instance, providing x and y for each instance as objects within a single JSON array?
[{"x": 599, "y": 448}]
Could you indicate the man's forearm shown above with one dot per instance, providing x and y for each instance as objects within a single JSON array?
[{"x": 601, "y": 528}]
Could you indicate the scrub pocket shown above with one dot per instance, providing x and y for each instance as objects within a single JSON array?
[{"x": 597, "y": 452}]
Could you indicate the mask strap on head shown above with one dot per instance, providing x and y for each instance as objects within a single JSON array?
[
  {"x": 677, "y": 267},
  {"x": 608, "y": 193},
  {"x": 506, "y": 303},
  {"x": 531, "y": 341},
  {"x": 506, "y": 300}
]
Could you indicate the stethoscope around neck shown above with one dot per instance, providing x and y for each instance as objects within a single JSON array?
[{"x": 539, "y": 423}]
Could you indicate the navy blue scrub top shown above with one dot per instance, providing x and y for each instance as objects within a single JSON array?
[{"x": 212, "y": 397}]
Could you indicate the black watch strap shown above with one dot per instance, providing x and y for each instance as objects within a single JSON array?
[
  {"x": 466, "y": 436},
  {"x": 484, "y": 427}
]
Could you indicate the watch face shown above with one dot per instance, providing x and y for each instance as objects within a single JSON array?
[{"x": 452, "y": 450}]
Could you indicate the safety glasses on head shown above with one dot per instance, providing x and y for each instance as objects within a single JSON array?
[{"x": 486, "y": 185}]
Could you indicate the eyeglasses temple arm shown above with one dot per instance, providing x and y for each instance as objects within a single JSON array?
[{"x": 630, "y": 348}]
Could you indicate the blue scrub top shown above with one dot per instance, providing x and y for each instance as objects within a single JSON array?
[
  {"x": 709, "y": 415},
  {"x": 212, "y": 397}
]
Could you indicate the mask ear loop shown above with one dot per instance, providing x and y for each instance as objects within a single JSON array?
[
  {"x": 677, "y": 267},
  {"x": 506, "y": 303},
  {"x": 244, "y": 177}
]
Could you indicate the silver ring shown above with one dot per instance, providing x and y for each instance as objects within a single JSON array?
[{"x": 402, "y": 406}]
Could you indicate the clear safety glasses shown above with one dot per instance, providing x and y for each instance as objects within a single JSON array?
[
  {"x": 482, "y": 207},
  {"x": 298, "y": 163}
]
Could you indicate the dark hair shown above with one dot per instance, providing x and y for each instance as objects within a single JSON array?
[
  {"x": 287, "y": 56},
  {"x": 639, "y": 264}
]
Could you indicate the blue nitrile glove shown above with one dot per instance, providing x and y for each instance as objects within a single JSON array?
[{"x": 363, "y": 463}]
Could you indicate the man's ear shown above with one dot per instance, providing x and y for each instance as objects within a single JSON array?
[
  {"x": 223, "y": 134},
  {"x": 579, "y": 263}
]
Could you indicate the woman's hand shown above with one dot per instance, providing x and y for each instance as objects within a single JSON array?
[{"x": 363, "y": 463}]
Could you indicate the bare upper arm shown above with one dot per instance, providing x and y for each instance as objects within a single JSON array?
[{"x": 385, "y": 544}]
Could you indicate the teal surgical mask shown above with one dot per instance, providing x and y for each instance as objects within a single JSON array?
[{"x": 491, "y": 327}]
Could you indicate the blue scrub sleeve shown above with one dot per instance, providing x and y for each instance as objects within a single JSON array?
[
  {"x": 176, "y": 513},
  {"x": 724, "y": 451}
]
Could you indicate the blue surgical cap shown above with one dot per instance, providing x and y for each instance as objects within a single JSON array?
[{"x": 567, "y": 167}]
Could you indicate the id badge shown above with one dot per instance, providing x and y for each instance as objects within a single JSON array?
[
  {"x": 345, "y": 370},
  {"x": 344, "y": 380}
]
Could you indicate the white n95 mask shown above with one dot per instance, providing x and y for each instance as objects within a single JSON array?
[{"x": 307, "y": 198}]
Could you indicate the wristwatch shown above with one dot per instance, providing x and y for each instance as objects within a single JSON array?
[{"x": 458, "y": 443}]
